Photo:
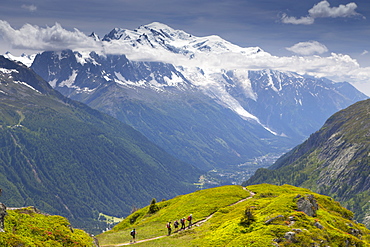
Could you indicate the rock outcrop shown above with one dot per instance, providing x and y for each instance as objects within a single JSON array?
[{"x": 307, "y": 204}]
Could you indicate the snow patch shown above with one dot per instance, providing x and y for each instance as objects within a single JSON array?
[
  {"x": 53, "y": 83},
  {"x": 27, "y": 85},
  {"x": 122, "y": 81},
  {"x": 83, "y": 57},
  {"x": 8, "y": 71},
  {"x": 242, "y": 76},
  {"x": 119, "y": 76},
  {"x": 107, "y": 78},
  {"x": 271, "y": 81},
  {"x": 174, "y": 80},
  {"x": 24, "y": 58},
  {"x": 235, "y": 106},
  {"x": 69, "y": 82},
  {"x": 85, "y": 90}
]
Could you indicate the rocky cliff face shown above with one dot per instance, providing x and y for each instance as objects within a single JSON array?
[{"x": 334, "y": 160}]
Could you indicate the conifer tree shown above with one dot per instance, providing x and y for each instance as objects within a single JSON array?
[{"x": 153, "y": 206}]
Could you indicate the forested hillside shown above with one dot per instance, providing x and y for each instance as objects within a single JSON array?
[{"x": 66, "y": 158}]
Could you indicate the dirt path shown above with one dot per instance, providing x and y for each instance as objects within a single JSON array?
[
  {"x": 139, "y": 241},
  {"x": 196, "y": 224}
]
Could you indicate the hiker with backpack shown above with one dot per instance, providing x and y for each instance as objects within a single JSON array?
[
  {"x": 133, "y": 234},
  {"x": 190, "y": 218},
  {"x": 182, "y": 221},
  {"x": 176, "y": 224},
  {"x": 169, "y": 228}
]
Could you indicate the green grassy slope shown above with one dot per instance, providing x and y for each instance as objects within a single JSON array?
[
  {"x": 261, "y": 220},
  {"x": 334, "y": 161},
  {"x": 28, "y": 227}
]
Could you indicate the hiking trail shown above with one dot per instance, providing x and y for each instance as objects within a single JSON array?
[{"x": 195, "y": 224}]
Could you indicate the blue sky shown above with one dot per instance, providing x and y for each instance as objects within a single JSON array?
[{"x": 282, "y": 28}]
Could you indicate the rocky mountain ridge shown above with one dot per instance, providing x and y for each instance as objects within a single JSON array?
[
  {"x": 195, "y": 109},
  {"x": 333, "y": 161}
]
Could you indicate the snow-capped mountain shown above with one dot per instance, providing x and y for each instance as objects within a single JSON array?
[
  {"x": 159, "y": 36},
  {"x": 185, "y": 94},
  {"x": 25, "y": 59}
]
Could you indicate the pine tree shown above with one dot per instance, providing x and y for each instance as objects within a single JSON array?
[{"x": 153, "y": 206}]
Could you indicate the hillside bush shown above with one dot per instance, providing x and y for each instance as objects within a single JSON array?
[
  {"x": 25, "y": 227},
  {"x": 153, "y": 206}
]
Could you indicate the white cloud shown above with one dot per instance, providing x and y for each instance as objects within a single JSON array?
[
  {"x": 48, "y": 38},
  {"x": 308, "y": 48},
  {"x": 31, "y": 8},
  {"x": 338, "y": 67},
  {"x": 322, "y": 10},
  {"x": 364, "y": 52},
  {"x": 306, "y": 20}
]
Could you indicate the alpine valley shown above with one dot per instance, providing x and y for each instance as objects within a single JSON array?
[
  {"x": 65, "y": 158},
  {"x": 182, "y": 93}
]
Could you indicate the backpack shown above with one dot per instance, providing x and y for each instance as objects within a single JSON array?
[
  {"x": 168, "y": 225},
  {"x": 189, "y": 218},
  {"x": 132, "y": 233}
]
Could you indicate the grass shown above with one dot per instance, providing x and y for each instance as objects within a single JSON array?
[
  {"x": 26, "y": 227},
  {"x": 225, "y": 227},
  {"x": 109, "y": 219},
  {"x": 200, "y": 204}
]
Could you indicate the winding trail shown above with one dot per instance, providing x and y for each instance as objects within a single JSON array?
[{"x": 196, "y": 224}]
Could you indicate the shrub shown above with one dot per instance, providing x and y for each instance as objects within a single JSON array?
[
  {"x": 248, "y": 217},
  {"x": 153, "y": 206}
]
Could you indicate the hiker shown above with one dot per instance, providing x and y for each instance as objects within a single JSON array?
[
  {"x": 169, "y": 228},
  {"x": 3, "y": 213},
  {"x": 182, "y": 221},
  {"x": 133, "y": 234},
  {"x": 190, "y": 217},
  {"x": 176, "y": 224}
]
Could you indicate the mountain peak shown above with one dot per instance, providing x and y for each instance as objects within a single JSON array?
[
  {"x": 115, "y": 34},
  {"x": 19, "y": 73},
  {"x": 94, "y": 36},
  {"x": 24, "y": 58},
  {"x": 165, "y": 39},
  {"x": 157, "y": 26}
]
